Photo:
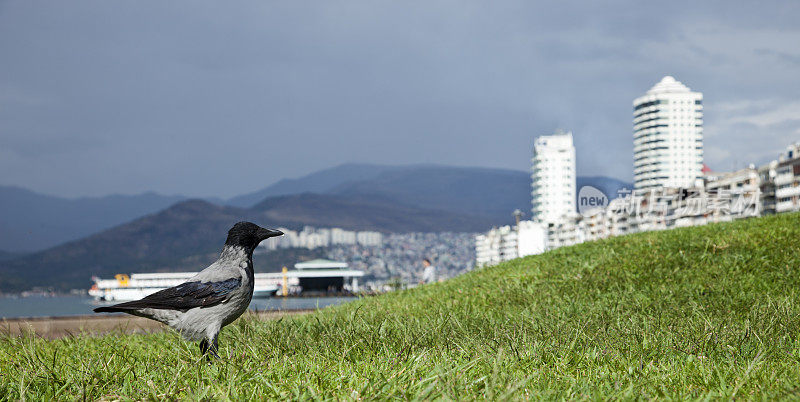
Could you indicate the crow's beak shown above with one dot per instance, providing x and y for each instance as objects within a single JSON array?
[{"x": 267, "y": 233}]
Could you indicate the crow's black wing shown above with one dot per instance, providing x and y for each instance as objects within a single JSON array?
[{"x": 182, "y": 297}]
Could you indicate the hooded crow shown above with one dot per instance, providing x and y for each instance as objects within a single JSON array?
[{"x": 210, "y": 300}]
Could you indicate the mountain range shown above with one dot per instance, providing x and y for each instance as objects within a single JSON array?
[
  {"x": 318, "y": 182},
  {"x": 31, "y": 221},
  {"x": 188, "y": 234},
  {"x": 7, "y": 255}
]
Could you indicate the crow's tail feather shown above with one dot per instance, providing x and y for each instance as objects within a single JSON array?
[{"x": 118, "y": 308}]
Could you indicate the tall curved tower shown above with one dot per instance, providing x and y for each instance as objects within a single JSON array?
[{"x": 667, "y": 136}]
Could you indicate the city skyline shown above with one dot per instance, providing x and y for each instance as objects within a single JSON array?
[{"x": 173, "y": 98}]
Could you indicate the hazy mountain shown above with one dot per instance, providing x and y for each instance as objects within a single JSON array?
[
  {"x": 491, "y": 193},
  {"x": 151, "y": 243},
  {"x": 8, "y": 255},
  {"x": 356, "y": 213},
  {"x": 317, "y": 182},
  {"x": 32, "y": 221}
]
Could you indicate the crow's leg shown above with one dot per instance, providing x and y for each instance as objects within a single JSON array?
[
  {"x": 203, "y": 347},
  {"x": 213, "y": 349}
]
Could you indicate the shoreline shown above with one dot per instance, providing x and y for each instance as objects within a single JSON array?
[{"x": 62, "y": 326}]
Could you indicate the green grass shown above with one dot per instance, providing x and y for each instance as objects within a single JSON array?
[{"x": 690, "y": 313}]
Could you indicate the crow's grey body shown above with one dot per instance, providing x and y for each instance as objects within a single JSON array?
[
  {"x": 213, "y": 298},
  {"x": 204, "y": 322}
]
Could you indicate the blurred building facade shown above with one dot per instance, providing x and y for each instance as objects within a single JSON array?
[
  {"x": 787, "y": 180},
  {"x": 311, "y": 237},
  {"x": 553, "y": 177},
  {"x": 508, "y": 242},
  {"x": 668, "y": 136}
]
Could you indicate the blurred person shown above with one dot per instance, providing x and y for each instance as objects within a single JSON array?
[{"x": 429, "y": 272}]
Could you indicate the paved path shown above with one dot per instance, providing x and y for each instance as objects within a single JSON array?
[{"x": 58, "y": 327}]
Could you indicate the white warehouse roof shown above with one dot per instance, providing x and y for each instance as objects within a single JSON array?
[{"x": 321, "y": 264}]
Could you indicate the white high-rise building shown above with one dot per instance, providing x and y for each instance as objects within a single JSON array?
[
  {"x": 667, "y": 136},
  {"x": 553, "y": 178}
]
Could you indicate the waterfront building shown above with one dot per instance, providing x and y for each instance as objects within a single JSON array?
[
  {"x": 787, "y": 180},
  {"x": 667, "y": 136},
  {"x": 766, "y": 178},
  {"x": 531, "y": 238},
  {"x": 553, "y": 178},
  {"x": 497, "y": 245},
  {"x": 370, "y": 239},
  {"x": 594, "y": 226},
  {"x": 734, "y": 195},
  {"x": 564, "y": 232},
  {"x": 341, "y": 236},
  {"x": 508, "y": 242},
  {"x": 317, "y": 276},
  {"x": 686, "y": 207}
]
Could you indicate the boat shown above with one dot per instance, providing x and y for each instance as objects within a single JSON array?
[{"x": 136, "y": 286}]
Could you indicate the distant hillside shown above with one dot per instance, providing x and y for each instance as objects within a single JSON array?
[
  {"x": 8, "y": 255},
  {"x": 491, "y": 193},
  {"x": 154, "y": 242},
  {"x": 32, "y": 221},
  {"x": 365, "y": 214},
  {"x": 317, "y": 182},
  {"x": 188, "y": 235},
  {"x": 487, "y": 192}
]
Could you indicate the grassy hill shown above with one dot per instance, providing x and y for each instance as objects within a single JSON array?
[{"x": 699, "y": 312}]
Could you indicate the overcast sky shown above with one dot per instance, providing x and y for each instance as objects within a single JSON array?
[{"x": 217, "y": 99}]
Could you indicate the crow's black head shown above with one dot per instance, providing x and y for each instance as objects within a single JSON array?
[{"x": 248, "y": 235}]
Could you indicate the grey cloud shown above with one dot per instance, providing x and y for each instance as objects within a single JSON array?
[
  {"x": 752, "y": 143},
  {"x": 207, "y": 98},
  {"x": 793, "y": 59}
]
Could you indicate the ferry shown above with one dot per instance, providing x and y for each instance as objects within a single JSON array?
[
  {"x": 309, "y": 276},
  {"x": 136, "y": 286}
]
